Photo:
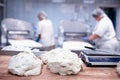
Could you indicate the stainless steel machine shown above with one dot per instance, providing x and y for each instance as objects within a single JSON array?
[
  {"x": 18, "y": 33},
  {"x": 71, "y": 33},
  {"x": 74, "y": 29}
]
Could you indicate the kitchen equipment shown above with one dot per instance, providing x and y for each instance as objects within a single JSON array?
[
  {"x": 99, "y": 57},
  {"x": 15, "y": 29}
]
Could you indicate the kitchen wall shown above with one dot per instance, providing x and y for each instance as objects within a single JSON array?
[
  {"x": 28, "y": 9},
  {"x": 72, "y": 9}
]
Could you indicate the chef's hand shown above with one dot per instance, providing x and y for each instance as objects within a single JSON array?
[
  {"x": 37, "y": 39},
  {"x": 86, "y": 39}
]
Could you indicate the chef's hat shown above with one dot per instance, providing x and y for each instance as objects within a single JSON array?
[
  {"x": 42, "y": 14},
  {"x": 98, "y": 12}
]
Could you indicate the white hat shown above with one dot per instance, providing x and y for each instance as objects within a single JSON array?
[
  {"x": 42, "y": 14},
  {"x": 98, "y": 12}
]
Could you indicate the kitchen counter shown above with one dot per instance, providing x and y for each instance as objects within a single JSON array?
[{"x": 89, "y": 73}]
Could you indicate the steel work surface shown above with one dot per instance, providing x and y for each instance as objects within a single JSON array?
[{"x": 89, "y": 73}]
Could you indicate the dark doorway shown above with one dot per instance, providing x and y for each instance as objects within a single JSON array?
[
  {"x": 1, "y": 17},
  {"x": 111, "y": 12}
]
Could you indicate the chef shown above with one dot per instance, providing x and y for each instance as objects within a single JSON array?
[
  {"x": 45, "y": 32},
  {"x": 103, "y": 34}
]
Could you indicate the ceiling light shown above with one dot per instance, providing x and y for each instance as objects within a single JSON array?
[
  {"x": 58, "y": 1},
  {"x": 88, "y": 1}
]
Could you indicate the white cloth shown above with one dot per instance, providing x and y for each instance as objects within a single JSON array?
[
  {"x": 45, "y": 29},
  {"x": 25, "y": 43},
  {"x": 75, "y": 45},
  {"x": 105, "y": 30},
  {"x": 16, "y": 48}
]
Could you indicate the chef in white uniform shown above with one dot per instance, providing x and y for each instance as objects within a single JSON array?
[
  {"x": 103, "y": 34},
  {"x": 45, "y": 32}
]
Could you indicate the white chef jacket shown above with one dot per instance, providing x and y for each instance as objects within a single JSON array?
[
  {"x": 45, "y": 29},
  {"x": 104, "y": 28}
]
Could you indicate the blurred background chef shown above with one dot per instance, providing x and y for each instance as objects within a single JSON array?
[
  {"x": 103, "y": 34},
  {"x": 45, "y": 32}
]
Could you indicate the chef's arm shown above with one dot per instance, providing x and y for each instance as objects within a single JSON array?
[
  {"x": 93, "y": 37},
  {"x": 90, "y": 38}
]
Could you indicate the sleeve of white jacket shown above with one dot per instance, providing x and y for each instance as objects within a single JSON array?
[{"x": 39, "y": 28}]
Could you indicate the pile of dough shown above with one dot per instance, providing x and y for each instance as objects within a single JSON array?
[
  {"x": 118, "y": 68},
  {"x": 45, "y": 57},
  {"x": 25, "y": 64},
  {"x": 62, "y": 61}
]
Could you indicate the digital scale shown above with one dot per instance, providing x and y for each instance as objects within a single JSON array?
[{"x": 99, "y": 57}]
